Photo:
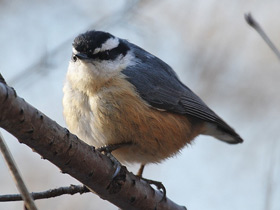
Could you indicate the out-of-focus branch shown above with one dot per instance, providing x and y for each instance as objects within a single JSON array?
[
  {"x": 28, "y": 201},
  {"x": 70, "y": 190},
  {"x": 75, "y": 157},
  {"x": 253, "y": 23},
  {"x": 106, "y": 21}
]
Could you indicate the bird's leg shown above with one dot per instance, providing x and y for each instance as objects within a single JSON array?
[
  {"x": 159, "y": 185},
  {"x": 140, "y": 171},
  {"x": 108, "y": 149}
]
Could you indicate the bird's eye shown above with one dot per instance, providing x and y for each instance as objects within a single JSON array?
[{"x": 74, "y": 58}]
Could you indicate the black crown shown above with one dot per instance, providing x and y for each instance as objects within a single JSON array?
[{"x": 86, "y": 43}]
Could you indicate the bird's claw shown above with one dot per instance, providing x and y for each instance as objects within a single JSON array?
[
  {"x": 106, "y": 150},
  {"x": 159, "y": 186}
]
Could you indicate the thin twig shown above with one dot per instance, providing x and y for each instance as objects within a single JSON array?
[
  {"x": 28, "y": 201},
  {"x": 253, "y": 23},
  {"x": 69, "y": 190}
]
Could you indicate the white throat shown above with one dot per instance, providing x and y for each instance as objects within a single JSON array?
[{"x": 94, "y": 73}]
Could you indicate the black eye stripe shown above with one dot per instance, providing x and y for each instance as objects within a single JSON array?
[
  {"x": 112, "y": 54},
  {"x": 106, "y": 55}
]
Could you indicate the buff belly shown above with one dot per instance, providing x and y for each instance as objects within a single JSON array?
[{"x": 113, "y": 115}]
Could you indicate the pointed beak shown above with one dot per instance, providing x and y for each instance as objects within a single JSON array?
[{"x": 79, "y": 55}]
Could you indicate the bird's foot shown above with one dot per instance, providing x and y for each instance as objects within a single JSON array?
[
  {"x": 159, "y": 186},
  {"x": 108, "y": 149}
]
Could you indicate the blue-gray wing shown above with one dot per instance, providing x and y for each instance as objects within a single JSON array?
[{"x": 159, "y": 86}]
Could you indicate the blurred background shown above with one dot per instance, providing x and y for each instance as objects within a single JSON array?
[{"x": 214, "y": 52}]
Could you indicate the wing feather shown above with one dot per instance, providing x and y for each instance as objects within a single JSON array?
[{"x": 158, "y": 84}]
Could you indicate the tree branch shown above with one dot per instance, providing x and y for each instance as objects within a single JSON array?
[
  {"x": 75, "y": 157},
  {"x": 28, "y": 200},
  {"x": 254, "y": 24},
  {"x": 70, "y": 190}
]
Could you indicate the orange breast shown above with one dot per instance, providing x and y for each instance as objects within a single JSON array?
[{"x": 122, "y": 116}]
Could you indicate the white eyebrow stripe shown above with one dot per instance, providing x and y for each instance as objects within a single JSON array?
[
  {"x": 74, "y": 51},
  {"x": 109, "y": 44},
  {"x": 97, "y": 50}
]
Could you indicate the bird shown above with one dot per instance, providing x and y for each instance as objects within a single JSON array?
[{"x": 119, "y": 96}]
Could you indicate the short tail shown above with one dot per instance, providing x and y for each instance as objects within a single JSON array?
[{"x": 223, "y": 133}]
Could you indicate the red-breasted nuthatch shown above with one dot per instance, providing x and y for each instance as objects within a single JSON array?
[{"x": 116, "y": 93}]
